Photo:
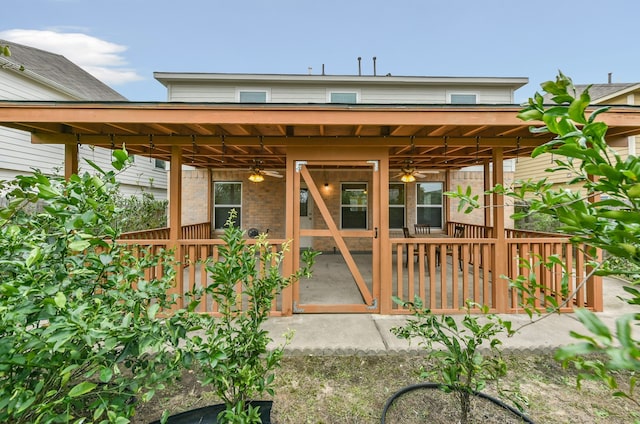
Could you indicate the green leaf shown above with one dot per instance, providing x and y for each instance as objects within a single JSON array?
[
  {"x": 34, "y": 255},
  {"x": 578, "y": 106},
  {"x": 79, "y": 245},
  {"x": 82, "y": 389},
  {"x": 48, "y": 192},
  {"x": 60, "y": 300},
  {"x": 105, "y": 374},
  {"x": 153, "y": 310},
  {"x": 593, "y": 323}
]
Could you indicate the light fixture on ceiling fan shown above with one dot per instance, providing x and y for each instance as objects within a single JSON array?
[
  {"x": 409, "y": 173},
  {"x": 257, "y": 174}
]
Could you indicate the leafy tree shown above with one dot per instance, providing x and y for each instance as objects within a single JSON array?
[
  {"x": 604, "y": 214},
  {"x": 81, "y": 336},
  {"x": 460, "y": 366},
  {"x": 232, "y": 349}
]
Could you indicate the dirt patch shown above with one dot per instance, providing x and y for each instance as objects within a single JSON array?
[{"x": 354, "y": 389}]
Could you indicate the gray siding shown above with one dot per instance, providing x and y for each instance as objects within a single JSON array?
[
  {"x": 19, "y": 156},
  {"x": 225, "y": 92}
]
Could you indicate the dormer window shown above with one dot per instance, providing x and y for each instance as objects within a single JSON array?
[
  {"x": 346, "y": 97},
  {"x": 252, "y": 96},
  {"x": 463, "y": 99}
]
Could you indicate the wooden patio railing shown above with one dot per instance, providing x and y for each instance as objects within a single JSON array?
[
  {"x": 466, "y": 272},
  {"x": 191, "y": 273},
  {"x": 444, "y": 272},
  {"x": 194, "y": 231}
]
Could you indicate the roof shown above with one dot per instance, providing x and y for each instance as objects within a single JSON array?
[
  {"x": 58, "y": 72},
  {"x": 235, "y": 135},
  {"x": 601, "y": 93},
  {"x": 167, "y": 78}
]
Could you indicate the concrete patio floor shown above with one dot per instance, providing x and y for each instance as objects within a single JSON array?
[{"x": 370, "y": 334}]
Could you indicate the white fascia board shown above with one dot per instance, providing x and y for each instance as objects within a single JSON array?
[{"x": 168, "y": 77}]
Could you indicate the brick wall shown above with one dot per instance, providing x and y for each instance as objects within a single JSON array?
[{"x": 263, "y": 204}]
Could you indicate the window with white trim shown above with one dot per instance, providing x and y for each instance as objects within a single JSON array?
[
  {"x": 463, "y": 99},
  {"x": 159, "y": 164},
  {"x": 354, "y": 206},
  {"x": 247, "y": 96},
  {"x": 396, "y": 205},
  {"x": 346, "y": 97},
  {"x": 226, "y": 196},
  {"x": 429, "y": 204}
]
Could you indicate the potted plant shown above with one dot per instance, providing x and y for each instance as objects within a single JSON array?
[
  {"x": 232, "y": 349},
  {"x": 459, "y": 367}
]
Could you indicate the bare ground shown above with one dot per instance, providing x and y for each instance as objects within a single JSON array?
[{"x": 354, "y": 389}]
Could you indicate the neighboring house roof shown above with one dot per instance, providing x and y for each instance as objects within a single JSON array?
[
  {"x": 601, "y": 93},
  {"x": 58, "y": 72}
]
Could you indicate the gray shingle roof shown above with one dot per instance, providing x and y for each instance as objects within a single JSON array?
[
  {"x": 599, "y": 91},
  {"x": 61, "y": 71}
]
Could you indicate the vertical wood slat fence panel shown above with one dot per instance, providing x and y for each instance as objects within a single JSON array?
[
  {"x": 443, "y": 272},
  {"x": 566, "y": 281},
  {"x": 191, "y": 257}
]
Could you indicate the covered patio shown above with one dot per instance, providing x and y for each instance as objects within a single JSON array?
[{"x": 309, "y": 145}]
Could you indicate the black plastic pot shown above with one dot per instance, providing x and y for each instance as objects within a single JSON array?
[
  {"x": 517, "y": 414},
  {"x": 209, "y": 414}
]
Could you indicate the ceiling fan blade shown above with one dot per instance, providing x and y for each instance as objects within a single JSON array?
[{"x": 273, "y": 174}]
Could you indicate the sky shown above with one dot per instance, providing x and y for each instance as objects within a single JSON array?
[{"x": 123, "y": 42}]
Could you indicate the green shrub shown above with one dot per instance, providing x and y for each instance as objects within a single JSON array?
[
  {"x": 460, "y": 366},
  {"x": 232, "y": 350},
  {"x": 81, "y": 339},
  {"x": 135, "y": 213}
]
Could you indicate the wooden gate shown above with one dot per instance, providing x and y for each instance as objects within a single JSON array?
[{"x": 347, "y": 274}]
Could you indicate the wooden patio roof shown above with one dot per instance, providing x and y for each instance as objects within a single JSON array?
[{"x": 236, "y": 135}]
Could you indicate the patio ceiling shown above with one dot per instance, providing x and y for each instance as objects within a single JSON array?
[{"x": 235, "y": 136}]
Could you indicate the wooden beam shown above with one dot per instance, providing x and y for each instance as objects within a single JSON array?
[
  {"x": 355, "y": 141},
  {"x": 70, "y": 160}
]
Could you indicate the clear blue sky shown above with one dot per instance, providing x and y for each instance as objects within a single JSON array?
[{"x": 123, "y": 42}]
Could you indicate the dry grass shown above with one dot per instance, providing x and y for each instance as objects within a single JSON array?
[{"x": 354, "y": 389}]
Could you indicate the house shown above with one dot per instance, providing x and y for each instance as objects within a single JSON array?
[
  {"x": 623, "y": 144},
  {"x": 34, "y": 74},
  {"x": 336, "y": 155}
]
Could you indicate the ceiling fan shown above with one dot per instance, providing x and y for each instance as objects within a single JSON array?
[
  {"x": 409, "y": 173},
  {"x": 257, "y": 174}
]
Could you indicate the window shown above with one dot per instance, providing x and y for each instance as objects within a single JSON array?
[
  {"x": 429, "y": 204},
  {"x": 343, "y": 97},
  {"x": 463, "y": 99},
  {"x": 226, "y": 196},
  {"x": 353, "y": 210},
  {"x": 396, "y": 205},
  {"x": 252, "y": 97},
  {"x": 159, "y": 164}
]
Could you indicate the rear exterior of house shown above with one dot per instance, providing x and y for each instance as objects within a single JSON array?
[
  {"x": 334, "y": 173},
  {"x": 34, "y": 74}
]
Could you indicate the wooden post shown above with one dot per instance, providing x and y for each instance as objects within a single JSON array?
[
  {"x": 487, "y": 200},
  {"x": 175, "y": 194},
  {"x": 70, "y": 160},
  {"x": 501, "y": 285},
  {"x": 175, "y": 219},
  {"x": 594, "y": 283},
  {"x": 292, "y": 223}
]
